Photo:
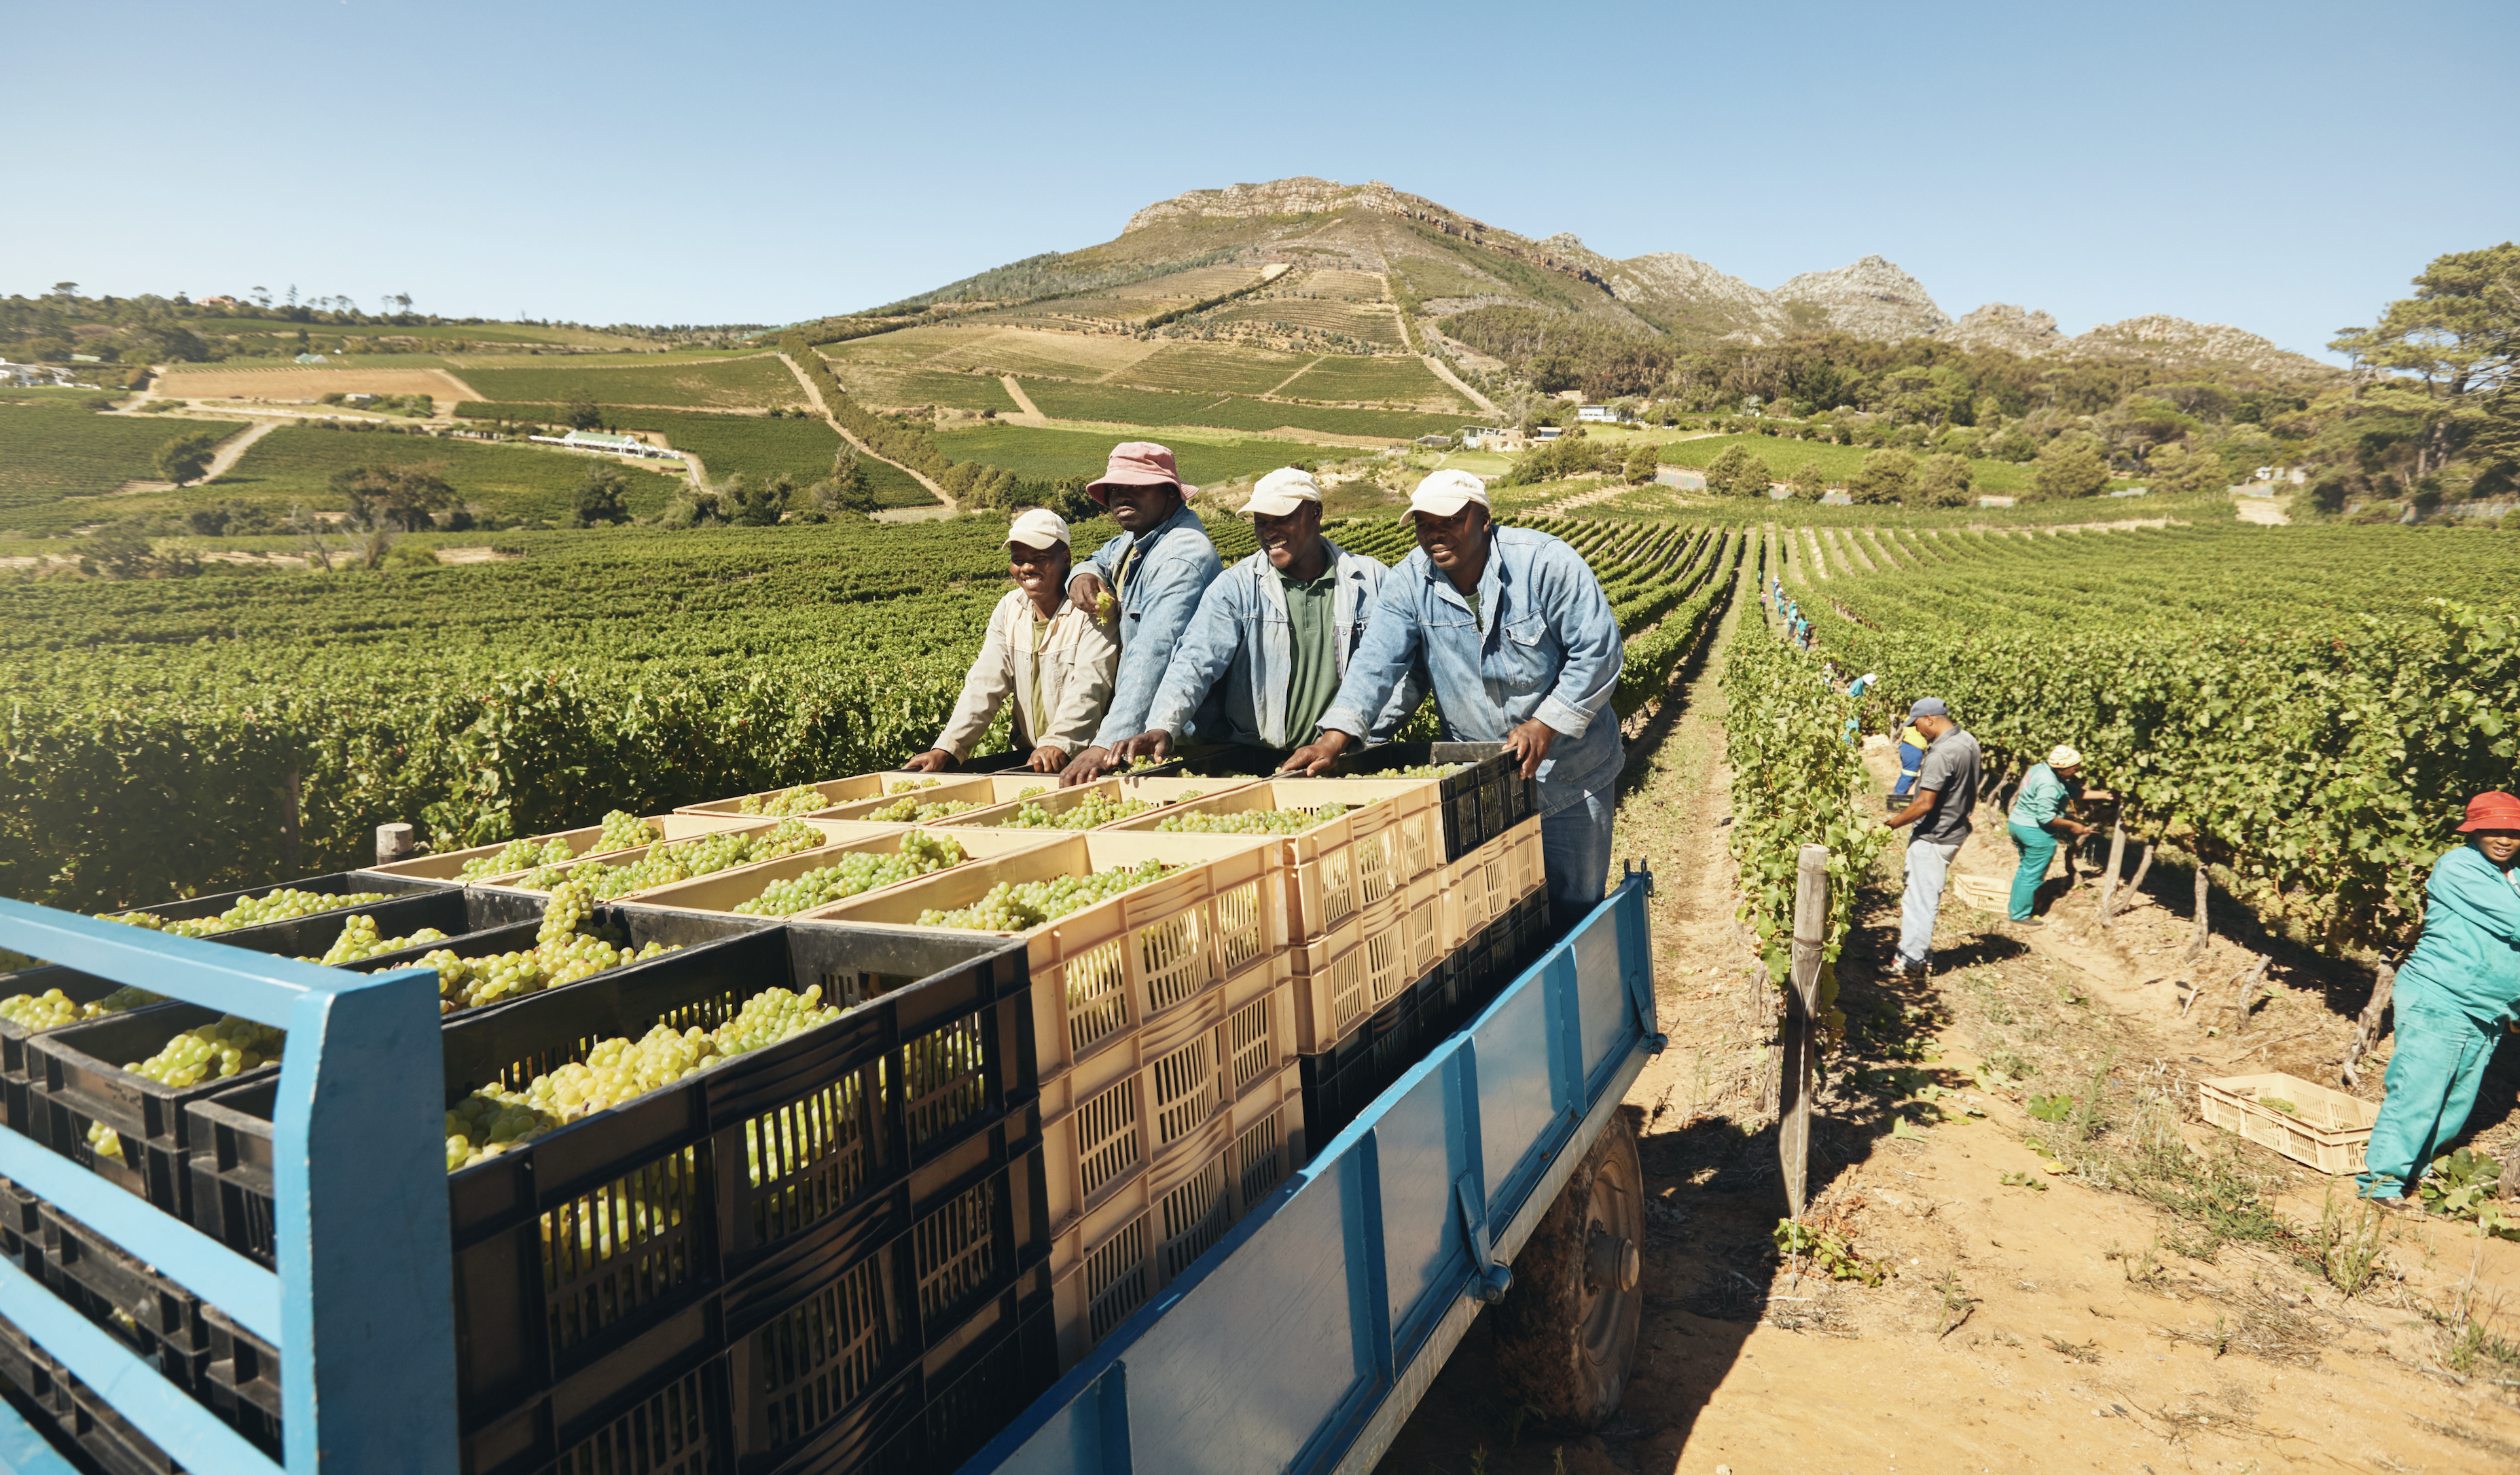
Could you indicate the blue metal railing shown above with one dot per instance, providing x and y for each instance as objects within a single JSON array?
[{"x": 360, "y": 1308}]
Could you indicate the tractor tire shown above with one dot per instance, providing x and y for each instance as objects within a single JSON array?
[{"x": 1566, "y": 1331}]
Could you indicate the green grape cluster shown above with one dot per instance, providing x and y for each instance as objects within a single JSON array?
[
  {"x": 803, "y": 800},
  {"x": 1106, "y": 608},
  {"x": 103, "y": 1140},
  {"x": 904, "y": 786},
  {"x": 494, "y": 1119},
  {"x": 1253, "y": 820},
  {"x": 1143, "y": 762},
  {"x": 50, "y": 1010},
  {"x": 567, "y": 910},
  {"x": 359, "y": 942},
  {"x": 273, "y": 905},
  {"x": 678, "y": 861},
  {"x": 921, "y": 852},
  {"x": 1422, "y": 771},
  {"x": 560, "y": 954},
  {"x": 1038, "y": 788},
  {"x": 910, "y": 811},
  {"x": 624, "y": 830},
  {"x": 1093, "y": 809},
  {"x": 516, "y": 855},
  {"x": 1018, "y": 905},
  {"x": 218, "y": 1050}
]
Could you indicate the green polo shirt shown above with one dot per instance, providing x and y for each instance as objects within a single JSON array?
[{"x": 1311, "y": 611}]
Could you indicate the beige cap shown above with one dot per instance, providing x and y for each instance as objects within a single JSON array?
[
  {"x": 1447, "y": 492},
  {"x": 1283, "y": 491},
  {"x": 2062, "y": 755},
  {"x": 1039, "y": 528}
]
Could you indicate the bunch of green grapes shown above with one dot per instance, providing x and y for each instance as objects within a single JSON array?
[
  {"x": 359, "y": 941},
  {"x": 1038, "y": 788},
  {"x": 560, "y": 954},
  {"x": 516, "y": 855},
  {"x": 567, "y": 910},
  {"x": 1093, "y": 809},
  {"x": 214, "y": 1050},
  {"x": 904, "y": 786},
  {"x": 1252, "y": 820},
  {"x": 912, "y": 812},
  {"x": 103, "y": 1140},
  {"x": 1144, "y": 761},
  {"x": 803, "y": 800},
  {"x": 624, "y": 830},
  {"x": 493, "y": 1120},
  {"x": 921, "y": 852},
  {"x": 1107, "y": 607},
  {"x": 274, "y": 906},
  {"x": 50, "y": 1010},
  {"x": 1423, "y": 770},
  {"x": 792, "y": 838},
  {"x": 1018, "y": 905}
]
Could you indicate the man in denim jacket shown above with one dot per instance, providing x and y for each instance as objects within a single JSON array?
[
  {"x": 1274, "y": 633},
  {"x": 1160, "y": 564},
  {"x": 1521, "y": 648}
]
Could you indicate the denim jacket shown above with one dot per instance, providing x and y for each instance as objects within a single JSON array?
[
  {"x": 1243, "y": 635},
  {"x": 1155, "y": 609},
  {"x": 1543, "y": 644}
]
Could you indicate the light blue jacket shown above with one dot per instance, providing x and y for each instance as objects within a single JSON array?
[
  {"x": 2468, "y": 957},
  {"x": 1243, "y": 637},
  {"x": 1155, "y": 609},
  {"x": 1543, "y": 644}
]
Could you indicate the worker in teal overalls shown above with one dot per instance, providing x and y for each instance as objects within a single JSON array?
[
  {"x": 2038, "y": 822},
  {"x": 2456, "y": 997}
]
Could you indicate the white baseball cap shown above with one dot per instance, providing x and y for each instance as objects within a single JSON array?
[
  {"x": 1039, "y": 528},
  {"x": 2064, "y": 756},
  {"x": 1283, "y": 491},
  {"x": 1446, "y": 492}
]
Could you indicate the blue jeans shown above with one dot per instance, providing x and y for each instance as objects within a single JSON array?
[
  {"x": 1927, "y": 866},
  {"x": 1575, "y": 849},
  {"x": 2433, "y": 1071}
]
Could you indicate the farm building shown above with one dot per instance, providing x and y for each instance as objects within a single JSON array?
[
  {"x": 20, "y": 375},
  {"x": 312, "y": 358},
  {"x": 607, "y": 442},
  {"x": 1600, "y": 413},
  {"x": 1489, "y": 439},
  {"x": 1547, "y": 433}
]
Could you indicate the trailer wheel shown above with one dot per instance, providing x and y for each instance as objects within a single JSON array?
[{"x": 1566, "y": 1331}]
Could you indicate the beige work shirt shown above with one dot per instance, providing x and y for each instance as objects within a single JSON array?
[{"x": 1073, "y": 677}]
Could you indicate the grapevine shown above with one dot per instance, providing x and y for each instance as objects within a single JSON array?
[
  {"x": 1016, "y": 906},
  {"x": 919, "y": 854}
]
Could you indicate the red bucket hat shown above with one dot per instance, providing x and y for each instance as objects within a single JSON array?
[
  {"x": 1136, "y": 463},
  {"x": 2491, "y": 810}
]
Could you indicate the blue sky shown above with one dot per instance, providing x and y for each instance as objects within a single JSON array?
[{"x": 2284, "y": 168}]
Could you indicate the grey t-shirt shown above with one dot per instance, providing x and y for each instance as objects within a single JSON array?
[{"x": 1951, "y": 774}]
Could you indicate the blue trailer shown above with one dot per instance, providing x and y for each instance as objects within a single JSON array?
[{"x": 1497, "y": 1172}]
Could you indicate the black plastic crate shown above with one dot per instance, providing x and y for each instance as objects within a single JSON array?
[
  {"x": 866, "y": 1121},
  {"x": 396, "y": 889},
  {"x": 931, "y": 1417},
  {"x": 1481, "y": 802},
  {"x": 75, "y": 1077},
  {"x": 72, "y": 1415}
]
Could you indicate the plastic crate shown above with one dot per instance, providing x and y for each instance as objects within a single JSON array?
[
  {"x": 725, "y": 890},
  {"x": 332, "y": 883},
  {"x": 871, "y": 1122},
  {"x": 834, "y": 791},
  {"x": 449, "y": 867},
  {"x": 1483, "y": 801},
  {"x": 76, "y": 1412},
  {"x": 1108, "y": 968},
  {"x": 2326, "y": 1129},
  {"x": 834, "y": 833},
  {"x": 74, "y": 1078},
  {"x": 1482, "y": 887},
  {"x": 1364, "y": 962},
  {"x": 1164, "y": 792},
  {"x": 1112, "y": 1259},
  {"x": 1170, "y": 1085}
]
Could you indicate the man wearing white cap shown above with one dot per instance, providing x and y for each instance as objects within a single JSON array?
[
  {"x": 1520, "y": 644},
  {"x": 1277, "y": 629},
  {"x": 1051, "y": 656},
  {"x": 2047, "y": 792},
  {"x": 1155, "y": 571}
]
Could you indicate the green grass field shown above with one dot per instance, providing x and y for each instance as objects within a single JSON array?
[
  {"x": 1383, "y": 377},
  {"x": 53, "y": 448},
  {"x": 1784, "y": 457},
  {"x": 1111, "y": 405},
  {"x": 926, "y": 387},
  {"x": 1204, "y": 367},
  {"x": 1048, "y": 455},
  {"x": 801, "y": 450},
  {"x": 730, "y": 384},
  {"x": 294, "y": 464},
  {"x": 477, "y": 332}
]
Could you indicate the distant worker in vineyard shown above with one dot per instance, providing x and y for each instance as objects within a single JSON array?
[
  {"x": 1155, "y": 572},
  {"x": 1946, "y": 791},
  {"x": 2037, "y": 817},
  {"x": 1043, "y": 649},
  {"x": 1277, "y": 630},
  {"x": 1518, "y": 639},
  {"x": 1912, "y": 753},
  {"x": 2455, "y": 996}
]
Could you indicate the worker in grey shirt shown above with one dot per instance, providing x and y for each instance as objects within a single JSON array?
[{"x": 1946, "y": 793}]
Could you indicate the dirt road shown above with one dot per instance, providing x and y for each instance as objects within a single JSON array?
[
  {"x": 816, "y": 395},
  {"x": 2136, "y": 1300}
]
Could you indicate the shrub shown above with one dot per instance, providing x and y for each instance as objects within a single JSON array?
[
  {"x": 1943, "y": 480},
  {"x": 1885, "y": 476},
  {"x": 2066, "y": 470},
  {"x": 1737, "y": 473}
]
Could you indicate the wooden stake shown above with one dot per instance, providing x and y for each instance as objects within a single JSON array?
[
  {"x": 1800, "y": 1055},
  {"x": 2117, "y": 860},
  {"x": 2204, "y": 929}
]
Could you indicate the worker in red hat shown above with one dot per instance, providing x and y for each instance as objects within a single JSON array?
[
  {"x": 2455, "y": 996},
  {"x": 1155, "y": 571}
]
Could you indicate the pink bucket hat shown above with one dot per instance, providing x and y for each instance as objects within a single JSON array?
[{"x": 1136, "y": 463}]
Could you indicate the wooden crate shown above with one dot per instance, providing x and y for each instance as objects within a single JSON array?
[
  {"x": 834, "y": 791},
  {"x": 853, "y": 797},
  {"x": 2326, "y": 1130}
]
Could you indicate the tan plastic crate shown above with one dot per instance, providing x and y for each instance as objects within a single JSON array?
[
  {"x": 1166, "y": 792},
  {"x": 1111, "y": 968},
  {"x": 834, "y": 791},
  {"x": 1361, "y": 858},
  {"x": 1365, "y": 963},
  {"x": 725, "y": 890},
  {"x": 832, "y": 834},
  {"x": 1145, "y": 1093},
  {"x": 446, "y": 867},
  {"x": 1481, "y": 888},
  {"x": 1112, "y": 1260},
  {"x": 2327, "y": 1129}
]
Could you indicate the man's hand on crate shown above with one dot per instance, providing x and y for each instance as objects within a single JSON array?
[
  {"x": 1156, "y": 743},
  {"x": 1318, "y": 757},
  {"x": 1530, "y": 742}
]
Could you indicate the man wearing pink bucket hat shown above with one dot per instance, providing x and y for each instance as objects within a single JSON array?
[{"x": 1155, "y": 573}]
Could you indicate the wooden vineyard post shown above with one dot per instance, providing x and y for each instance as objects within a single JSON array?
[
  {"x": 393, "y": 843},
  {"x": 2117, "y": 860},
  {"x": 1801, "y": 1052}
]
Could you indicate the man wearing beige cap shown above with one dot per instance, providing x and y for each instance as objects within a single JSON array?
[
  {"x": 1156, "y": 569},
  {"x": 1521, "y": 645},
  {"x": 1276, "y": 630},
  {"x": 1053, "y": 658}
]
